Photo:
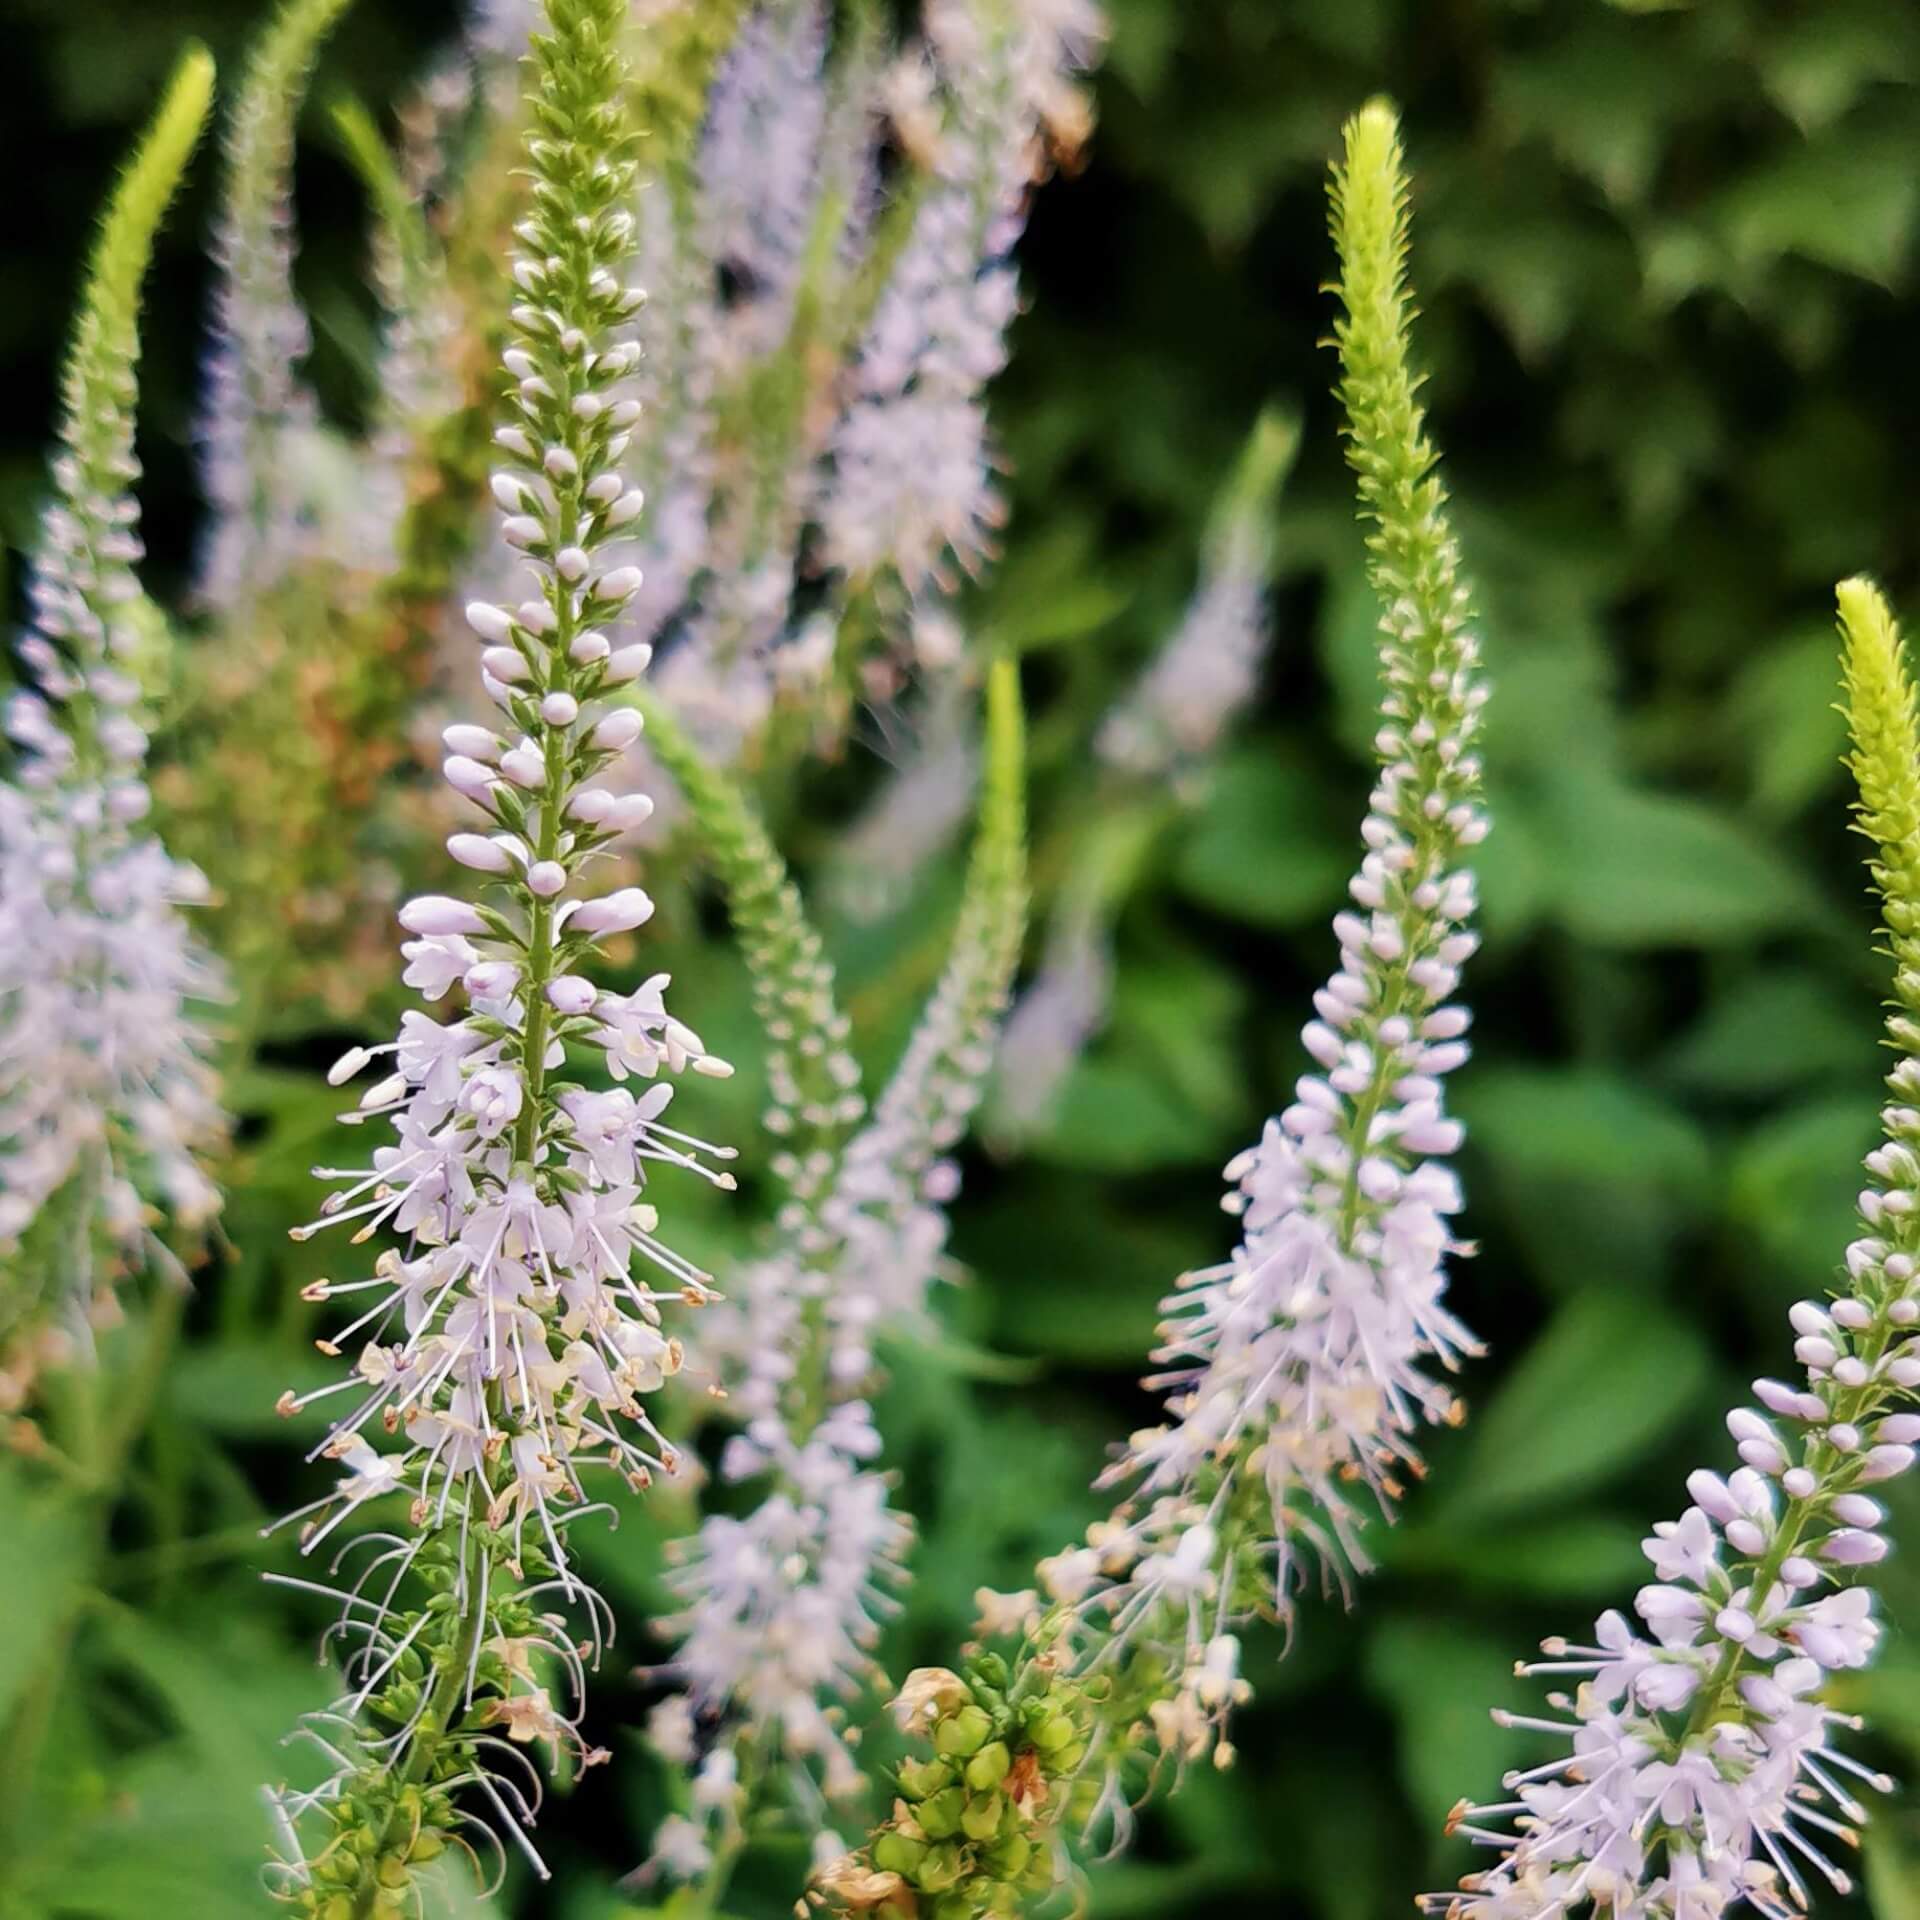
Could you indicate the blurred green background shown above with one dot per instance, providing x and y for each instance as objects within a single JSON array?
[{"x": 1665, "y": 259}]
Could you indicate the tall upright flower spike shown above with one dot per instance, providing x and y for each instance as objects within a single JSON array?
[
  {"x": 784, "y": 1603},
  {"x": 107, "y": 1106},
  {"x": 258, "y": 418},
  {"x": 813, "y": 1080},
  {"x": 506, "y": 1342},
  {"x": 1702, "y": 1772},
  {"x": 417, "y": 381},
  {"x": 1294, "y": 1375},
  {"x": 1173, "y": 717},
  {"x": 910, "y": 481}
]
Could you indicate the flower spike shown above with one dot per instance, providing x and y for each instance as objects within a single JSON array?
[
  {"x": 784, "y": 1602},
  {"x": 1702, "y": 1772},
  {"x": 516, "y": 1327},
  {"x": 257, "y": 411},
  {"x": 1294, "y": 1376},
  {"x": 107, "y": 1106}
]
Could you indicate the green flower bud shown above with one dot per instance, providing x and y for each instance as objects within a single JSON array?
[
  {"x": 957, "y": 1905},
  {"x": 989, "y": 1767},
  {"x": 939, "y": 1815},
  {"x": 982, "y": 1815},
  {"x": 428, "y": 1845},
  {"x": 1039, "y": 1874},
  {"x": 894, "y": 1852},
  {"x": 944, "y": 1867},
  {"x": 992, "y": 1669},
  {"x": 1008, "y": 1856},
  {"x": 920, "y": 1778},
  {"x": 1053, "y": 1732},
  {"x": 1066, "y": 1760},
  {"x": 962, "y": 1733}
]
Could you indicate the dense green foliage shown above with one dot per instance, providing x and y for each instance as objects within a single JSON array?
[{"x": 1666, "y": 258}]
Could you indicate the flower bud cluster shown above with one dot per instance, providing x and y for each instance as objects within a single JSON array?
[
  {"x": 509, "y": 1344},
  {"x": 974, "y": 1822}
]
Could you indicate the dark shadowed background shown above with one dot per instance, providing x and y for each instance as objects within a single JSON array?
[{"x": 1665, "y": 258}]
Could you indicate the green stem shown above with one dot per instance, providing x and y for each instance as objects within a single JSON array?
[
  {"x": 109, "y": 1443},
  {"x": 443, "y": 1705}
]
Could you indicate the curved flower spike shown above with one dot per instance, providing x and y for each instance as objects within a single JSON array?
[
  {"x": 785, "y": 1601},
  {"x": 1702, "y": 1770},
  {"x": 1295, "y": 1376},
  {"x": 107, "y": 1106}
]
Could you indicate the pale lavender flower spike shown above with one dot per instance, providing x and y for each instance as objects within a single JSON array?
[
  {"x": 106, "y": 1096},
  {"x": 262, "y": 455}
]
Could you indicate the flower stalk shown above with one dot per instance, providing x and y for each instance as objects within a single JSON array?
[
  {"x": 1293, "y": 1375},
  {"x": 509, "y": 1340},
  {"x": 1704, "y": 1772}
]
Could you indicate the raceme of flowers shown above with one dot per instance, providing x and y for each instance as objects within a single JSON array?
[
  {"x": 784, "y": 1603},
  {"x": 1703, "y": 1768},
  {"x": 813, "y": 368},
  {"x": 259, "y": 424},
  {"x": 1160, "y": 738},
  {"x": 108, "y": 1107},
  {"x": 1295, "y": 1375},
  {"x": 504, "y": 1347}
]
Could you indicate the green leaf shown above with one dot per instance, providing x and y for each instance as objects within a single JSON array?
[
  {"x": 1119, "y": 1115},
  {"x": 1583, "y": 1124},
  {"x": 1793, "y": 1183},
  {"x": 1816, "y": 66},
  {"x": 1582, "y": 1557},
  {"x": 1783, "y": 713},
  {"x": 1592, "y": 1396},
  {"x": 1440, "y": 1680},
  {"x": 1265, "y": 847},
  {"x": 1845, "y": 199},
  {"x": 1771, "y": 1031},
  {"x": 1642, "y": 869},
  {"x": 1603, "y": 96},
  {"x": 46, "y": 1535}
]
